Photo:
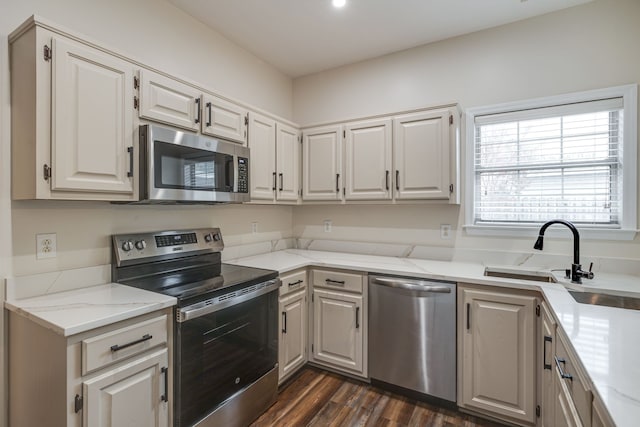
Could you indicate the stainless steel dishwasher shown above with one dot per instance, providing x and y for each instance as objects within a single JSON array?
[{"x": 412, "y": 334}]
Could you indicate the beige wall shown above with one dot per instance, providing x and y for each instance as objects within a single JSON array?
[{"x": 585, "y": 47}]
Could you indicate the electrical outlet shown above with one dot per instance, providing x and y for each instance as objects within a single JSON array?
[
  {"x": 46, "y": 246},
  {"x": 445, "y": 231},
  {"x": 327, "y": 226},
  {"x": 254, "y": 227}
]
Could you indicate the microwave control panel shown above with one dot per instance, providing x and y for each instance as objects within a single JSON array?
[{"x": 243, "y": 175}]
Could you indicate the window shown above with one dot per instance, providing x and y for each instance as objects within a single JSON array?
[{"x": 571, "y": 157}]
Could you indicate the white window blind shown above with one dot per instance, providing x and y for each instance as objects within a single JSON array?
[{"x": 563, "y": 161}]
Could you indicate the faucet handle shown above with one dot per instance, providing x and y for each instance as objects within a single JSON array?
[{"x": 588, "y": 274}]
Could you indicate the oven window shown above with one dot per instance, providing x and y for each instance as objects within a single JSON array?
[
  {"x": 188, "y": 168},
  {"x": 221, "y": 353}
]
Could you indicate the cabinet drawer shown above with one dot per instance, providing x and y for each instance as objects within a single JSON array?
[
  {"x": 293, "y": 282},
  {"x": 576, "y": 386},
  {"x": 111, "y": 347},
  {"x": 338, "y": 280}
]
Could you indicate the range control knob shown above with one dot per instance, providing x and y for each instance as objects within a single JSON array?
[
  {"x": 127, "y": 245},
  {"x": 217, "y": 237},
  {"x": 141, "y": 244},
  {"x": 208, "y": 237}
]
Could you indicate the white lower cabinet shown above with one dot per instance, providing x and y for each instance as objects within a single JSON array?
[
  {"x": 118, "y": 397},
  {"x": 574, "y": 399},
  {"x": 293, "y": 324},
  {"x": 497, "y": 349},
  {"x": 115, "y": 375},
  {"x": 546, "y": 350},
  {"x": 339, "y": 321}
]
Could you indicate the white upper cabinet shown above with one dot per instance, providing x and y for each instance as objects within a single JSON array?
[
  {"x": 422, "y": 155},
  {"x": 172, "y": 102},
  {"x": 72, "y": 120},
  {"x": 262, "y": 143},
  {"x": 224, "y": 119},
  {"x": 288, "y": 162},
  {"x": 275, "y": 160},
  {"x": 169, "y": 101},
  {"x": 92, "y": 120},
  {"x": 322, "y": 163},
  {"x": 399, "y": 158},
  {"x": 368, "y": 160}
]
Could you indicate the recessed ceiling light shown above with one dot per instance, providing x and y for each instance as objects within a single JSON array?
[{"x": 339, "y": 3}]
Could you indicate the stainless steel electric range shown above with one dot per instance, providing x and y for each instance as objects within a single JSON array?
[{"x": 225, "y": 330}]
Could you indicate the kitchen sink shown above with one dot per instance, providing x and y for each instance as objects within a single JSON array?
[
  {"x": 618, "y": 301},
  {"x": 537, "y": 276}
]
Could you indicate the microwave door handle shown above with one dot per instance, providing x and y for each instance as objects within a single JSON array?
[{"x": 232, "y": 171}]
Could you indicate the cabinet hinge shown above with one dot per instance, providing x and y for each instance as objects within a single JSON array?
[
  {"x": 311, "y": 296},
  {"x": 450, "y": 188},
  {"x": 135, "y": 102},
  {"x": 451, "y": 119},
  {"x": 48, "y": 53},
  {"x": 246, "y": 120},
  {"x": 77, "y": 403},
  {"x": 344, "y": 191},
  {"x": 135, "y": 82},
  {"x": 46, "y": 170},
  {"x": 538, "y": 310},
  {"x": 538, "y": 411}
]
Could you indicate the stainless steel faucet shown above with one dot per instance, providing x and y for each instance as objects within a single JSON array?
[{"x": 576, "y": 269}]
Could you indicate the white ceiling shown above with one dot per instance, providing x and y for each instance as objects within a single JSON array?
[{"x": 300, "y": 37}]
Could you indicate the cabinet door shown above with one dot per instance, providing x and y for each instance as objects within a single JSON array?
[
  {"x": 368, "y": 160},
  {"x": 498, "y": 353},
  {"x": 169, "y": 101},
  {"x": 545, "y": 366},
  {"x": 224, "y": 119},
  {"x": 288, "y": 162},
  {"x": 262, "y": 143},
  {"x": 130, "y": 395},
  {"x": 422, "y": 155},
  {"x": 322, "y": 163},
  {"x": 565, "y": 413},
  {"x": 337, "y": 329},
  {"x": 92, "y": 120},
  {"x": 293, "y": 337}
]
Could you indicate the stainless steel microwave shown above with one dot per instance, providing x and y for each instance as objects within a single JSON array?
[{"x": 181, "y": 167}]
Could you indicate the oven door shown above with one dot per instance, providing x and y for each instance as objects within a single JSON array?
[{"x": 221, "y": 352}]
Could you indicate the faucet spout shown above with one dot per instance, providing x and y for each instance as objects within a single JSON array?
[{"x": 576, "y": 268}]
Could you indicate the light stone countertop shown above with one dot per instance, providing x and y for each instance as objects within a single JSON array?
[
  {"x": 604, "y": 338},
  {"x": 74, "y": 311}
]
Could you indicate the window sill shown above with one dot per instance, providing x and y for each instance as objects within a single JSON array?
[{"x": 587, "y": 233}]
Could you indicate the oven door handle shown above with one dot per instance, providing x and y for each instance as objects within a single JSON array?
[{"x": 207, "y": 307}]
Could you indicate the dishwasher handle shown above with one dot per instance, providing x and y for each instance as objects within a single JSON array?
[{"x": 409, "y": 286}]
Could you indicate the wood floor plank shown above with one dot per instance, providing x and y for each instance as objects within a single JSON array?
[{"x": 317, "y": 398}]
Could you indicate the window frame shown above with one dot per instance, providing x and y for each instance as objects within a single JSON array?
[{"x": 627, "y": 229}]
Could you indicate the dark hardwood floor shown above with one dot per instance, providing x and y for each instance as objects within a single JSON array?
[{"x": 314, "y": 397}]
